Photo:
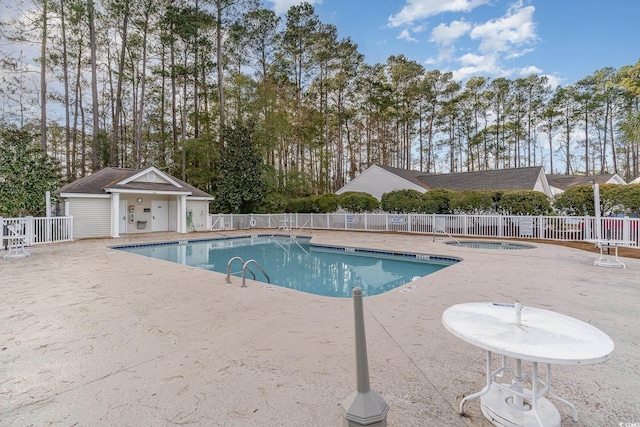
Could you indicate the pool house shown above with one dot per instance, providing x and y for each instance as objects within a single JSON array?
[{"x": 115, "y": 201}]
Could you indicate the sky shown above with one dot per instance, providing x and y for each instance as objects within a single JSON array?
[{"x": 565, "y": 40}]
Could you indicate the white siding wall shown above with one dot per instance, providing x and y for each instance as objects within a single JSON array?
[
  {"x": 377, "y": 181},
  {"x": 91, "y": 217},
  {"x": 200, "y": 211}
]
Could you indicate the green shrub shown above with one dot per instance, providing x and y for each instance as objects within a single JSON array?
[
  {"x": 357, "y": 202},
  {"x": 630, "y": 198},
  {"x": 273, "y": 203},
  {"x": 300, "y": 205},
  {"x": 436, "y": 201},
  {"x": 575, "y": 201},
  {"x": 527, "y": 202},
  {"x": 472, "y": 202},
  {"x": 401, "y": 201},
  {"x": 326, "y": 203}
]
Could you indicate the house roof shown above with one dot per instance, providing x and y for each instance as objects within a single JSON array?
[
  {"x": 567, "y": 181},
  {"x": 108, "y": 179},
  {"x": 408, "y": 175},
  {"x": 498, "y": 179}
]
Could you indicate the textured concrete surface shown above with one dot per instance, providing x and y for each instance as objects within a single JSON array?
[{"x": 91, "y": 336}]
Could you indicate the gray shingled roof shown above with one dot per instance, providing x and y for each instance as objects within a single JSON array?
[
  {"x": 566, "y": 181},
  {"x": 499, "y": 179},
  {"x": 409, "y": 175},
  {"x": 109, "y": 177}
]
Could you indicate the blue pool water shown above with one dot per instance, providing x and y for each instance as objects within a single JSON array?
[{"x": 296, "y": 264}]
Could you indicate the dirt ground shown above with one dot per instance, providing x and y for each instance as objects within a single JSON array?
[{"x": 590, "y": 247}]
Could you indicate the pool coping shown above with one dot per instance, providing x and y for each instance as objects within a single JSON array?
[
  {"x": 431, "y": 258},
  {"x": 93, "y": 337}
]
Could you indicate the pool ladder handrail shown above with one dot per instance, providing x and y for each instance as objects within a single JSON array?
[
  {"x": 292, "y": 237},
  {"x": 228, "y": 279},
  {"x": 245, "y": 267},
  {"x": 445, "y": 232}
]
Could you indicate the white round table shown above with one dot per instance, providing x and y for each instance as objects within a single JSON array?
[{"x": 524, "y": 334}]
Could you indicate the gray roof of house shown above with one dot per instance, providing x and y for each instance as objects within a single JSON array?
[
  {"x": 408, "y": 175},
  {"x": 109, "y": 177},
  {"x": 499, "y": 179},
  {"x": 566, "y": 181}
]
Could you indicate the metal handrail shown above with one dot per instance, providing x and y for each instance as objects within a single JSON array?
[
  {"x": 300, "y": 229},
  {"x": 245, "y": 267},
  {"x": 228, "y": 279},
  {"x": 445, "y": 232},
  {"x": 291, "y": 236},
  {"x": 286, "y": 225},
  {"x": 296, "y": 235}
]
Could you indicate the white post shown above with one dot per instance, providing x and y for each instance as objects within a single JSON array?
[
  {"x": 363, "y": 407},
  {"x": 48, "y": 202},
  {"x": 30, "y": 230},
  {"x": 182, "y": 213},
  {"x": 626, "y": 229},
  {"x": 47, "y": 224},
  {"x": 115, "y": 214},
  {"x": 596, "y": 207}
]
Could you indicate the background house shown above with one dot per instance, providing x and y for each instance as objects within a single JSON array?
[
  {"x": 560, "y": 183},
  {"x": 377, "y": 180},
  {"x": 114, "y": 201}
]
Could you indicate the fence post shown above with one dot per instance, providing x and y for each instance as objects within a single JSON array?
[
  {"x": 466, "y": 225},
  {"x": 30, "y": 230},
  {"x": 69, "y": 223},
  {"x": 626, "y": 229}
]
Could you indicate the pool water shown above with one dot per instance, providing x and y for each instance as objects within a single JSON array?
[
  {"x": 296, "y": 264},
  {"x": 479, "y": 244}
]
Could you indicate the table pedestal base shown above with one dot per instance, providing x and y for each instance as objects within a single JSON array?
[
  {"x": 605, "y": 260},
  {"x": 497, "y": 406}
]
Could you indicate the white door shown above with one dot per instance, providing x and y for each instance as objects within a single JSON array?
[
  {"x": 122, "y": 214},
  {"x": 159, "y": 215}
]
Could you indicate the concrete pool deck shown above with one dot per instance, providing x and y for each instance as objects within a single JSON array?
[{"x": 91, "y": 336}]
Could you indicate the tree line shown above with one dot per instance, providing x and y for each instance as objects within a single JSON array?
[{"x": 127, "y": 83}]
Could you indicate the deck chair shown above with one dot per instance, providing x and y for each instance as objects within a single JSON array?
[{"x": 17, "y": 240}]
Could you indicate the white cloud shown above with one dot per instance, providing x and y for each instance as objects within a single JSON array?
[
  {"x": 518, "y": 53},
  {"x": 416, "y": 10},
  {"x": 527, "y": 71},
  {"x": 554, "y": 81},
  {"x": 473, "y": 59},
  {"x": 514, "y": 29},
  {"x": 446, "y": 53},
  {"x": 406, "y": 35},
  {"x": 447, "y": 34},
  {"x": 480, "y": 65},
  {"x": 280, "y": 7}
]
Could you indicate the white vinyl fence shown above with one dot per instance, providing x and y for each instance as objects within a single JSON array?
[
  {"x": 563, "y": 228},
  {"x": 39, "y": 230}
]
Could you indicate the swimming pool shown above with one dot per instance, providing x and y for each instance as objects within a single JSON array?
[
  {"x": 479, "y": 244},
  {"x": 297, "y": 264}
]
